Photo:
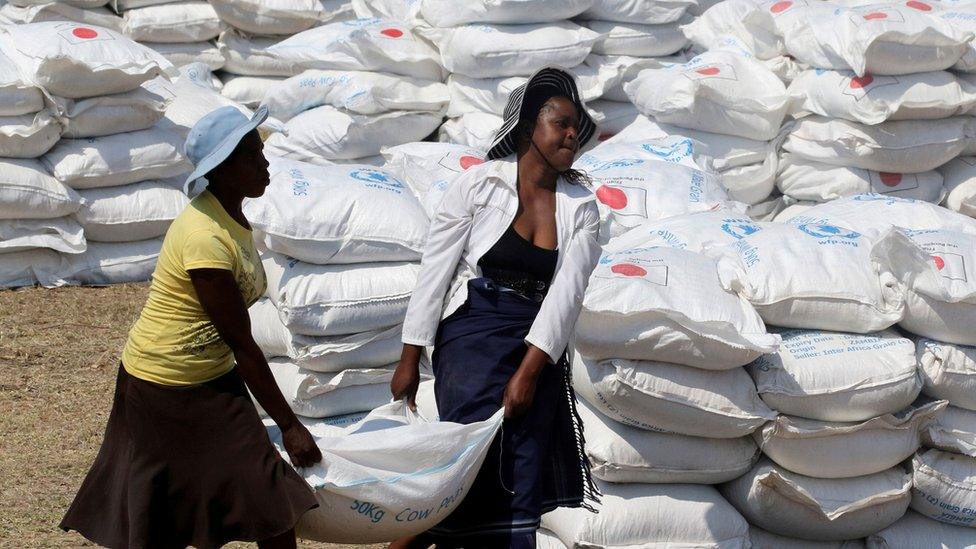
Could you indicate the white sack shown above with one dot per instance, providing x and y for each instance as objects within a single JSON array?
[
  {"x": 762, "y": 539},
  {"x": 28, "y": 135},
  {"x": 35, "y": 266},
  {"x": 667, "y": 305},
  {"x": 195, "y": 97},
  {"x": 127, "y": 213},
  {"x": 249, "y": 55},
  {"x": 544, "y": 539},
  {"x": 874, "y": 214},
  {"x": 491, "y": 51},
  {"x": 818, "y": 276},
  {"x": 914, "y": 530},
  {"x": 391, "y": 475},
  {"x": 328, "y": 133},
  {"x": 945, "y": 487},
  {"x": 450, "y": 13},
  {"x": 471, "y": 129},
  {"x": 81, "y": 4},
  {"x": 354, "y": 91},
  {"x": 955, "y": 431},
  {"x": 663, "y": 397},
  {"x": 652, "y": 515},
  {"x": 798, "y": 506},
  {"x": 74, "y": 60},
  {"x": 429, "y": 168},
  {"x": 322, "y": 353},
  {"x": 879, "y": 39},
  {"x": 942, "y": 301},
  {"x": 841, "y": 450},
  {"x": 155, "y": 153},
  {"x": 647, "y": 181},
  {"x": 620, "y": 453},
  {"x": 901, "y": 146},
  {"x": 338, "y": 214},
  {"x": 364, "y": 45},
  {"x": 611, "y": 118},
  {"x": 962, "y": 16},
  {"x": 320, "y": 300},
  {"x": 313, "y": 394},
  {"x": 184, "y": 54},
  {"x": 948, "y": 372},
  {"x": 131, "y": 111},
  {"x": 838, "y": 377},
  {"x": 705, "y": 232},
  {"x": 871, "y": 99},
  {"x": 249, "y": 91},
  {"x": 189, "y": 21},
  {"x": 636, "y": 39},
  {"x": 745, "y": 20},
  {"x": 717, "y": 91},
  {"x": 803, "y": 179},
  {"x": 113, "y": 263},
  {"x": 638, "y": 11},
  {"x": 17, "y": 94},
  {"x": 960, "y": 184},
  {"x": 28, "y": 192},
  {"x": 58, "y": 11},
  {"x": 61, "y": 234},
  {"x": 270, "y": 16}
]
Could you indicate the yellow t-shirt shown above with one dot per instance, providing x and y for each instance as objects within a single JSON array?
[{"x": 174, "y": 342}]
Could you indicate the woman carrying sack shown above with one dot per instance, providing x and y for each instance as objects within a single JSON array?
[
  {"x": 508, "y": 258},
  {"x": 185, "y": 459}
]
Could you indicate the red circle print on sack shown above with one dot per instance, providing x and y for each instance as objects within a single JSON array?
[
  {"x": 615, "y": 198},
  {"x": 468, "y": 161},
  {"x": 859, "y": 82},
  {"x": 709, "y": 71},
  {"x": 780, "y": 7},
  {"x": 84, "y": 33},
  {"x": 628, "y": 269},
  {"x": 876, "y": 15},
  {"x": 890, "y": 179},
  {"x": 920, "y": 6},
  {"x": 939, "y": 262},
  {"x": 392, "y": 33}
]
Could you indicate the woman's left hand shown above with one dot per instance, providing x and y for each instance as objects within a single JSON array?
[{"x": 519, "y": 394}]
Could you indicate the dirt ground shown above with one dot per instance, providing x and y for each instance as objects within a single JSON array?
[{"x": 59, "y": 351}]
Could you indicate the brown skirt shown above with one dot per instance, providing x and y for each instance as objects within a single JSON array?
[{"x": 186, "y": 466}]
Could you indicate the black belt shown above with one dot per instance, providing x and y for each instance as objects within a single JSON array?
[{"x": 520, "y": 282}]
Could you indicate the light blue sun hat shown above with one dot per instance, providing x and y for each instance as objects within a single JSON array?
[{"x": 213, "y": 138}]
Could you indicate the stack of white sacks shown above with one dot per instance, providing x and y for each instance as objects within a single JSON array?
[
  {"x": 90, "y": 12},
  {"x": 366, "y": 84},
  {"x": 872, "y": 88},
  {"x": 250, "y": 70},
  {"x": 93, "y": 151},
  {"x": 341, "y": 246},
  {"x": 182, "y": 31}
]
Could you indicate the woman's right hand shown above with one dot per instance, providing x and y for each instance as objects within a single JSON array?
[
  {"x": 406, "y": 378},
  {"x": 300, "y": 446}
]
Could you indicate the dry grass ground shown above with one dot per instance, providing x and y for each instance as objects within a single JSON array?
[{"x": 59, "y": 353}]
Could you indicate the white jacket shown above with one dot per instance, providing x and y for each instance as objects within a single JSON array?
[{"x": 476, "y": 210}]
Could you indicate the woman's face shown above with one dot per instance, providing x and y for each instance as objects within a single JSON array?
[
  {"x": 556, "y": 132},
  {"x": 246, "y": 169}
]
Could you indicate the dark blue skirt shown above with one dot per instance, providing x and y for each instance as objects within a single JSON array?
[{"x": 536, "y": 463}]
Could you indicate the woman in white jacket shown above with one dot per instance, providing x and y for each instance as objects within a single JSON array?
[{"x": 508, "y": 258}]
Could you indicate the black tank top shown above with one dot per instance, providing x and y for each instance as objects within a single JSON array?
[{"x": 513, "y": 257}]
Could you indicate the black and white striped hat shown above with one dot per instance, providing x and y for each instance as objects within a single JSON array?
[{"x": 505, "y": 140}]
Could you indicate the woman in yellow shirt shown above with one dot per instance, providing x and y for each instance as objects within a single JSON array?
[{"x": 186, "y": 459}]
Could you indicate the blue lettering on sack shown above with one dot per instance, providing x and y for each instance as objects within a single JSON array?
[
  {"x": 377, "y": 179},
  {"x": 747, "y": 252},
  {"x": 411, "y": 515},
  {"x": 299, "y": 184},
  {"x": 619, "y": 163},
  {"x": 448, "y": 501},
  {"x": 674, "y": 152},
  {"x": 739, "y": 229},
  {"x": 818, "y": 230},
  {"x": 888, "y": 200},
  {"x": 371, "y": 511},
  {"x": 696, "y": 192}
]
